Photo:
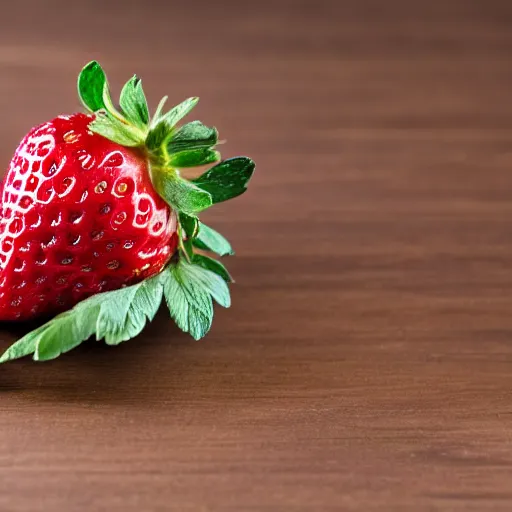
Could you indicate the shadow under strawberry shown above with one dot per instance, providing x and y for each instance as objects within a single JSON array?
[{"x": 96, "y": 373}]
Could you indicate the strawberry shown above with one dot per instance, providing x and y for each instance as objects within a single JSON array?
[
  {"x": 79, "y": 216},
  {"x": 97, "y": 223}
]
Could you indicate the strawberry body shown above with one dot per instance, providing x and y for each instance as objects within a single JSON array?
[{"x": 79, "y": 216}]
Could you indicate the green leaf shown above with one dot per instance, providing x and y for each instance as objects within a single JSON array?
[
  {"x": 147, "y": 298},
  {"x": 192, "y": 135},
  {"x": 162, "y": 126},
  {"x": 112, "y": 125},
  {"x": 159, "y": 110},
  {"x": 199, "y": 323},
  {"x": 119, "y": 315},
  {"x": 106, "y": 125},
  {"x": 194, "y": 158},
  {"x": 227, "y": 179},
  {"x": 133, "y": 102},
  {"x": 109, "y": 105},
  {"x": 24, "y": 346},
  {"x": 190, "y": 224},
  {"x": 128, "y": 318},
  {"x": 91, "y": 82},
  {"x": 215, "y": 266},
  {"x": 187, "y": 249},
  {"x": 156, "y": 137},
  {"x": 179, "y": 193},
  {"x": 188, "y": 291},
  {"x": 65, "y": 332},
  {"x": 113, "y": 314},
  {"x": 116, "y": 316},
  {"x": 175, "y": 299},
  {"x": 200, "y": 277},
  {"x": 158, "y": 131},
  {"x": 210, "y": 240},
  {"x": 178, "y": 112},
  {"x": 189, "y": 303},
  {"x": 145, "y": 304}
]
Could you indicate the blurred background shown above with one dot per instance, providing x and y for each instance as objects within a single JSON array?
[{"x": 365, "y": 363}]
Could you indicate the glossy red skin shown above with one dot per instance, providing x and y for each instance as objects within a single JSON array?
[{"x": 79, "y": 216}]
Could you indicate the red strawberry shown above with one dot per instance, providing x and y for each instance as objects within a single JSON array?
[
  {"x": 93, "y": 203},
  {"x": 79, "y": 216}
]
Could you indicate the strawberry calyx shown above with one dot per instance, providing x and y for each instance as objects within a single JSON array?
[
  {"x": 192, "y": 280},
  {"x": 168, "y": 147}
]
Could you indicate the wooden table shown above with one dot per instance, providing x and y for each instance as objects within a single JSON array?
[{"x": 366, "y": 363}]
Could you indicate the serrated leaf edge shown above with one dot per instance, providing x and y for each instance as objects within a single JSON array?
[{"x": 111, "y": 315}]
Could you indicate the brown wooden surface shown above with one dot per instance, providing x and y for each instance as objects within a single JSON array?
[{"x": 366, "y": 363}]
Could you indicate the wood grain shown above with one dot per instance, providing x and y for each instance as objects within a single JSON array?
[{"x": 366, "y": 362}]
